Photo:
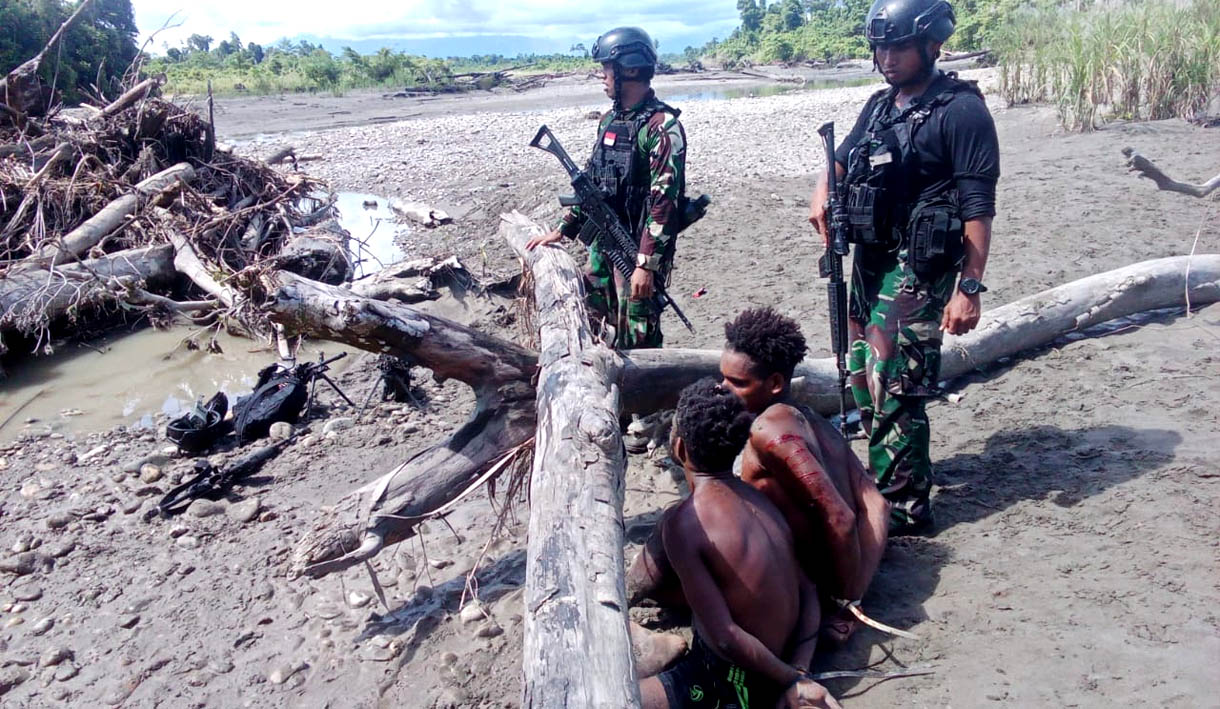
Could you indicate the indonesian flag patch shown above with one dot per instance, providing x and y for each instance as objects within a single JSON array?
[{"x": 609, "y": 138}]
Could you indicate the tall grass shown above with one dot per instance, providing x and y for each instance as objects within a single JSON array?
[{"x": 1136, "y": 60}]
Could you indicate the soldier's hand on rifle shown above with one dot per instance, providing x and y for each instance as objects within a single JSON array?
[
  {"x": 961, "y": 314},
  {"x": 543, "y": 240},
  {"x": 641, "y": 284},
  {"x": 817, "y": 209}
]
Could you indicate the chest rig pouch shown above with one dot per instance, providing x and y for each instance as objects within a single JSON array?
[
  {"x": 881, "y": 185},
  {"x": 618, "y": 170}
]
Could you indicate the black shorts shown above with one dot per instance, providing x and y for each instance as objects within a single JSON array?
[{"x": 704, "y": 680}]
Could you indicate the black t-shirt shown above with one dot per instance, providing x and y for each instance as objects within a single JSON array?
[{"x": 957, "y": 147}]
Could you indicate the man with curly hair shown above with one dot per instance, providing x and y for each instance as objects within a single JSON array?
[
  {"x": 797, "y": 458},
  {"x": 755, "y": 614}
]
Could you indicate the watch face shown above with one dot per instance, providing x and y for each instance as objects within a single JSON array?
[{"x": 969, "y": 286}]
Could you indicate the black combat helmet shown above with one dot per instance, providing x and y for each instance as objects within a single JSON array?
[
  {"x": 629, "y": 47},
  {"x": 896, "y": 21}
]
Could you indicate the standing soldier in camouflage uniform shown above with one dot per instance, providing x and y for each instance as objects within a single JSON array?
[
  {"x": 639, "y": 163},
  {"x": 918, "y": 174}
]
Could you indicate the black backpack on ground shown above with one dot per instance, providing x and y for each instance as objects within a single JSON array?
[{"x": 279, "y": 395}]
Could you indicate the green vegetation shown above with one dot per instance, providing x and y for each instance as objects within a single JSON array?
[
  {"x": 234, "y": 66},
  {"x": 1144, "y": 60},
  {"x": 96, "y": 51},
  {"x": 824, "y": 30}
]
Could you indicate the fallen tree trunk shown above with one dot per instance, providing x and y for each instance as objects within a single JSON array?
[
  {"x": 31, "y": 300},
  {"x": 387, "y": 510},
  {"x": 652, "y": 379},
  {"x": 111, "y": 218},
  {"x": 577, "y": 648},
  {"x": 1146, "y": 168},
  {"x": 130, "y": 97},
  {"x": 188, "y": 264}
]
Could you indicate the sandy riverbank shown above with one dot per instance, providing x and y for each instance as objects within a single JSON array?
[{"x": 1076, "y": 559}]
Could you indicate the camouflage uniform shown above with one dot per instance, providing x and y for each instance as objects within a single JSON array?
[
  {"x": 894, "y": 358},
  {"x": 661, "y": 155}
]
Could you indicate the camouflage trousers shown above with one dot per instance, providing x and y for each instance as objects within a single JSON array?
[
  {"x": 636, "y": 323},
  {"x": 894, "y": 358}
]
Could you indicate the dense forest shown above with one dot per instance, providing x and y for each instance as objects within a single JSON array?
[{"x": 94, "y": 55}]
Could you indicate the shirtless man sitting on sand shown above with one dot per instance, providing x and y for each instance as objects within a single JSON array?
[
  {"x": 797, "y": 458},
  {"x": 732, "y": 555}
]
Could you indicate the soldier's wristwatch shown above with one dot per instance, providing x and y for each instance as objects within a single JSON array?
[{"x": 971, "y": 286}]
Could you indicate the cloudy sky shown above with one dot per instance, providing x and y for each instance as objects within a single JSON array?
[{"x": 437, "y": 24}]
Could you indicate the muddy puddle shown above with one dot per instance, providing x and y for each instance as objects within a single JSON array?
[
  {"x": 375, "y": 229},
  {"x": 128, "y": 378}
]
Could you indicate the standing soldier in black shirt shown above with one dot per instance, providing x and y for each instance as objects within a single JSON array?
[{"x": 918, "y": 174}]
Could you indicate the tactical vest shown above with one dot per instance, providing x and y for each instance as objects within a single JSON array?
[
  {"x": 616, "y": 169},
  {"x": 883, "y": 203}
]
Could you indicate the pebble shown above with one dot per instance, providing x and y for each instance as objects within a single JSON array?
[
  {"x": 490, "y": 630},
  {"x": 243, "y": 511},
  {"x": 30, "y": 488},
  {"x": 21, "y": 564},
  {"x": 128, "y": 622},
  {"x": 205, "y": 508},
  {"x": 42, "y": 626},
  {"x": 356, "y": 599},
  {"x": 44, "y": 467},
  {"x": 23, "y": 544},
  {"x": 472, "y": 611},
  {"x": 220, "y": 667},
  {"x": 11, "y": 677},
  {"x": 280, "y": 431},
  {"x": 187, "y": 542},
  {"x": 451, "y": 698},
  {"x": 150, "y": 473},
  {"x": 62, "y": 549},
  {"x": 14, "y": 621},
  {"x": 281, "y": 673},
  {"x": 132, "y": 506},
  {"x": 449, "y": 659},
  {"x": 66, "y": 671},
  {"x": 27, "y": 593},
  {"x": 53, "y": 656},
  {"x": 440, "y": 563},
  {"x": 93, "y": 453},
  {"x": 178, "y": 530},
  {"x": 335, "y": 425},
  {"x": 268, "y": 516},
  {"x": 59, "y": 520}
]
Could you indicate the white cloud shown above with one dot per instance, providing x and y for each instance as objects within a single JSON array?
[{"x": 266, "y": 21}]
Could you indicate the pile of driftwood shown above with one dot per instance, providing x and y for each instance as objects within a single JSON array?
[
  {"x": 132, "y": 205},
  {"x": 110, "y": 207}
]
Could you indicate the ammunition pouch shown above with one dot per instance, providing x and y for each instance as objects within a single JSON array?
[
  {"x": 936, "y": 238},
  {"x": 868, "y": 215}
]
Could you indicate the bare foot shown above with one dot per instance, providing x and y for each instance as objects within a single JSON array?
[
  {"x": 654, "y": 651},
  {"x": 838, "y": 627}
]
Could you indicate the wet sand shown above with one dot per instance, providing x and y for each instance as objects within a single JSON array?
[{"x": 1075, "y": 560}]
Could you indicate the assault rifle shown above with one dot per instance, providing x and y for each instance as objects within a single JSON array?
[
  {"x": 830, "y": 265},
  {"x": 212, "y": 484},
  {"x": 612, "y": 236}
]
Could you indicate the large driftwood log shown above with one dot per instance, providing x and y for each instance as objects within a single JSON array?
[
  {"x": 1146, "y": 168},
  {"x": 387, "y": 510},
  {"x": 32, "y": 299},
  {"x": 109, "y": 219},
  {"x": 577, "y": 648}
]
